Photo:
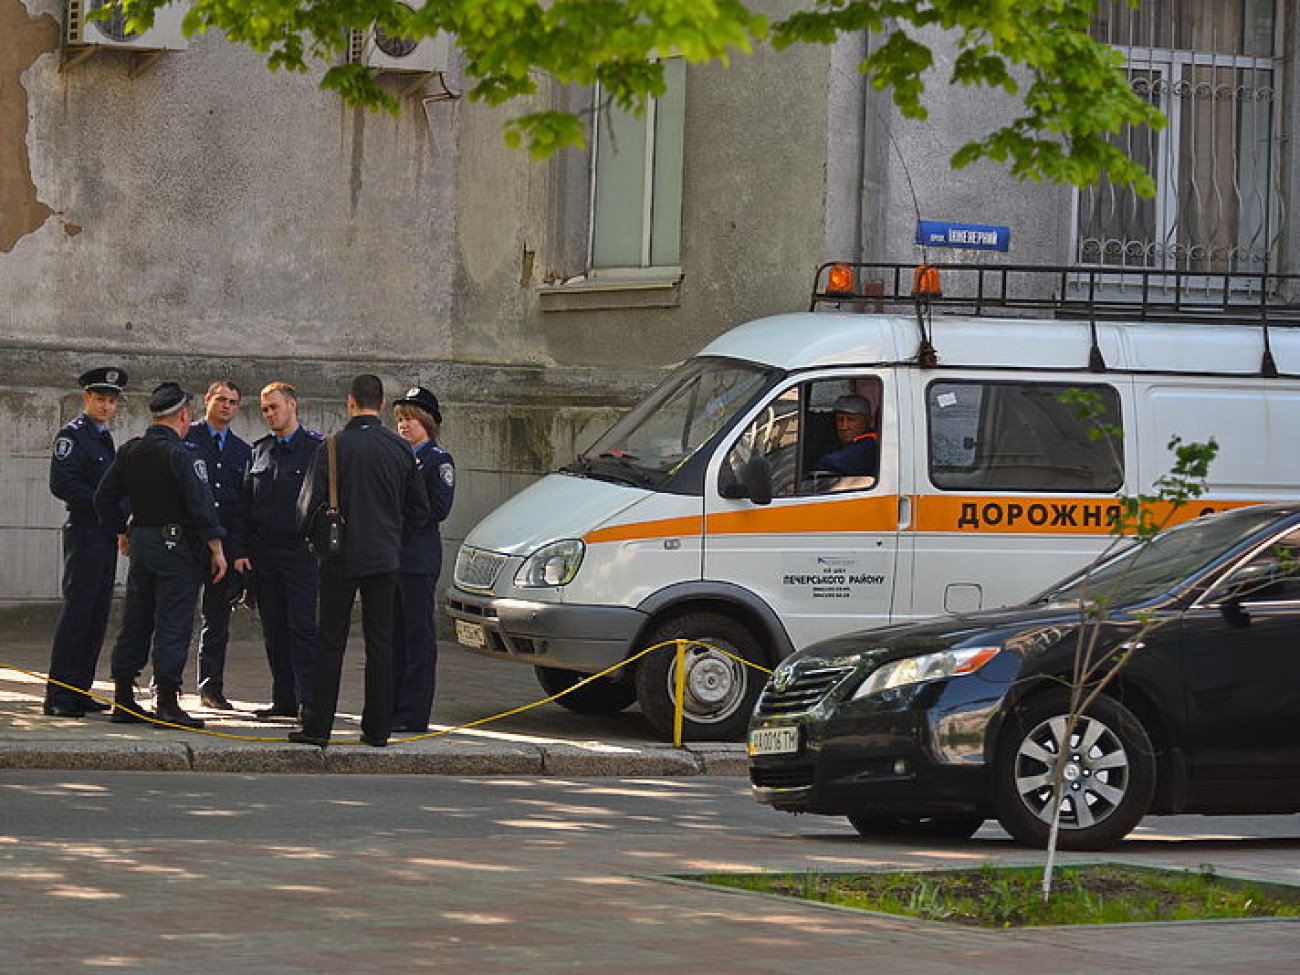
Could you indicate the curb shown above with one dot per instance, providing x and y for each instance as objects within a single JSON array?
[{"x": 461, "y": 758}]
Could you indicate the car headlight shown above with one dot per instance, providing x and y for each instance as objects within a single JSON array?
[
  {"x": 551, "y": 565},
  {"x": 931, "y": 666}
]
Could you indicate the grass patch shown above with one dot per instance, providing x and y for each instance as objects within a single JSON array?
[{"x": 1005, "y": 897}]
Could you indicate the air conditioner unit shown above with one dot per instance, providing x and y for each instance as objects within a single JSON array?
[
  {"x": 387, "y": 54},
  {"x": 80, "y": 30}
]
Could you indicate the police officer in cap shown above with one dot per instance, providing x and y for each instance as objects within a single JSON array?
[
  {"x": 174, "y": 539},
  {"x": 83, "y": 451}
]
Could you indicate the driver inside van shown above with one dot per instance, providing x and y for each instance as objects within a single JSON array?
[{"x": 857, "y": 458}]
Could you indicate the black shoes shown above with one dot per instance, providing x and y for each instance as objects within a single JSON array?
[
  {"x": 374, "y": 742},
  {"x": 90, "y": 704},
  {"x": 278, "y": 710},
  {"x": 62, "y": 711},
  {"x": 305, "y": 738},
  {"x": 137, "y": 715},
  {"x": 215, "y": 701}
]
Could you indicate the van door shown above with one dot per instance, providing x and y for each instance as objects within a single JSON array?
[
  {"x": 822, "y": 553},
  {"x": 1014, "y": 487}
]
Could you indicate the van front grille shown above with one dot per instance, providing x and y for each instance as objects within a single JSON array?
[{"x": 477, "y": 568}]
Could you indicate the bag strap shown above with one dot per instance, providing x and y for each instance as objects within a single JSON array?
[{"x": 332, "y": 453}]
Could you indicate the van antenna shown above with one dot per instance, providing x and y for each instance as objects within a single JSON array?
[{"x": 926, "y": 355}]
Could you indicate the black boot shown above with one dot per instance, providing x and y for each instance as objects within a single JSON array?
[
  {"x": 170, "y": 710},
  {"x": 126, "y": 711}
]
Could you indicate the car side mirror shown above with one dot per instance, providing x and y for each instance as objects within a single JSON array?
[{"x": 757, "y": 479}]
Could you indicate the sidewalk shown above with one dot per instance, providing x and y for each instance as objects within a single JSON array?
[{"x": 547, "y": 740}]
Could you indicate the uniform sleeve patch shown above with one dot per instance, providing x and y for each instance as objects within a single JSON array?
[
  {"x": 201, "y": 471},
  {"x": 63, "y": 448},
  {"x": 448, "y": 474}
]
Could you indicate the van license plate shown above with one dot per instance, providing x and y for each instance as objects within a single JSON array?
[
  {"x": 470, "y": 634},
  {"x": 774, "y": 741}
]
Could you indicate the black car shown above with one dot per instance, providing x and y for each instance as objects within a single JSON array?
[{"x": 933, "y": 727}]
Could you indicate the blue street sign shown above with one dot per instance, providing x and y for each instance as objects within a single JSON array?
[{"x": 973, "y": 236}]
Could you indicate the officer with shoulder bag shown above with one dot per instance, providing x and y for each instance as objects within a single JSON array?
[{"x": 173, "y": 541}]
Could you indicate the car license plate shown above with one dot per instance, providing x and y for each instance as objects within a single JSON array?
[
  {"x": 470, "y": 634},
  {"x": 774, "y": 741}
]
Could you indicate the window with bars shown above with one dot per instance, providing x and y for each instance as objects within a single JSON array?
[
  {"x": 1211, "y": 67},
  {"x": 636, "y": 199}
]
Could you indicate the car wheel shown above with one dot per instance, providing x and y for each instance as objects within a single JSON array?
[
  {"x": 720, "y": 690},
  {"x": 602, "y": 696},
  {"x": 1109, "y": 776},
  {"x": 956, "y": 826}
]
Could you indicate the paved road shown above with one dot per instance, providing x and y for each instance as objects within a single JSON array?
[{"x": 295, "y": 874}]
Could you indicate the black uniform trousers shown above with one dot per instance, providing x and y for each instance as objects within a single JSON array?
[
  {"x": 162, "y": 588},
  {"x": 285, "y": 579},
  {"x": 89, "y": 567},
  {"x": 215, "y": 635},
  {"x": 415, "y": 650},
  {"x": 337, "y": 594}
]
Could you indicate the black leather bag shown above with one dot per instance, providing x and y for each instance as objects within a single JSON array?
[{"x": 325, "y": 539}]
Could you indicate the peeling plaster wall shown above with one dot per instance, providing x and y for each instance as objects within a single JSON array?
[{"x": 208, "y": 217}]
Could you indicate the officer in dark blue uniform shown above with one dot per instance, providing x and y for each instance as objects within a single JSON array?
[
  {"x": 415, "y": 641},
  {"x": 227, "y": 457},
  {"x": 285, "y": 574},
  {"x": 83, "y": 451},
  {"x": 174, "y": 543}
]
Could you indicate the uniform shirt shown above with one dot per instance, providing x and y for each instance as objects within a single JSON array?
[
  {"x": 858, "y": 457},
  {"x": 275, "y": 475},
  {"x": 181, "y": 493},
  {"x": 380, "y": 494},
  {"x": 82, "y": 453},
  {"x": 422, "y": 552},
  {"x": 227, "y": 468}
]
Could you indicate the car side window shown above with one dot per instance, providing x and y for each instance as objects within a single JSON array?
[
  {"x": 817, "y": 437},
  {"x": 1271, "y": 576}
]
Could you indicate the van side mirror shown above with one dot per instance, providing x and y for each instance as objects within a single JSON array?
[{"x": 757, "y": 479}]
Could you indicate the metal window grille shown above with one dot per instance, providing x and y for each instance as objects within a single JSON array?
[{"x": 1211, "y": 67}]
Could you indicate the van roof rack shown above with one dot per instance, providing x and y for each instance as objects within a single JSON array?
[
  {"x": 1065, "y": 291},
  {"x": 1075, "y": 292}
]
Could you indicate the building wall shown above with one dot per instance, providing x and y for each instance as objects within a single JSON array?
[{"x": 206, "y": 217}]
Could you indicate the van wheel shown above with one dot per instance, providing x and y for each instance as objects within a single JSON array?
[
  {"x": 602, "y": 696},
  {"x": 954, "y": 826},
  {"x": 1109, "y": 778},
  {"x": 720, "y": 690}
]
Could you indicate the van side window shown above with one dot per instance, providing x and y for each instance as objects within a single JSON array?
[
  {"x": 1007, "y": 436},
  {"x": 817, "y": 437}
]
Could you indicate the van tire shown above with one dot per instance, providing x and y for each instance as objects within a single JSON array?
[
  {"x": 720, "y": 691},
  {"x": 602, "y": 696},
  {"x": 1121, "y": 762}
]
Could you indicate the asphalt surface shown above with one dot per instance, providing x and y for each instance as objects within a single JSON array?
[
  {"x": 212, "y": 873},
  {"x": 548, "y": 739}
]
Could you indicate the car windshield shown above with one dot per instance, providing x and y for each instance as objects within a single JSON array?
[
  {"x": 665, "y": 430},
  {"x": 1144, "y": 570}
]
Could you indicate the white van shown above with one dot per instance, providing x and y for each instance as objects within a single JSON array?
[{"x": 707, "y": 512}]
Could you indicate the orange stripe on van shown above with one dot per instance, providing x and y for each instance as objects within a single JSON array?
[
  {"x": 638, "y": 530},
  {"x": 826, "y": 515},
  {"x": 1048, "y": 516}
]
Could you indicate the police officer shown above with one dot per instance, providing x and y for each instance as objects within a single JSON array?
[
  {"x": 285, "y": 575},
  {"x": 175, "y": 539},
  {"x": 227, "y": 458},
  {"x": 83, "y": 451},
  {"x": 415, "y": 640}
]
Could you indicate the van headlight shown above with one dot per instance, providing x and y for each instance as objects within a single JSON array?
[
  {"x": 551, "y": 565},
  {"x": 931, "y": 666}
]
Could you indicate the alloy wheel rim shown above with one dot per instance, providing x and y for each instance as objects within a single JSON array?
[{"x": 1095, "y": 776}]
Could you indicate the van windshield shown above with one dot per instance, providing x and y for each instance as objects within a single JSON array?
[{"x": 665, "y": 430}]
